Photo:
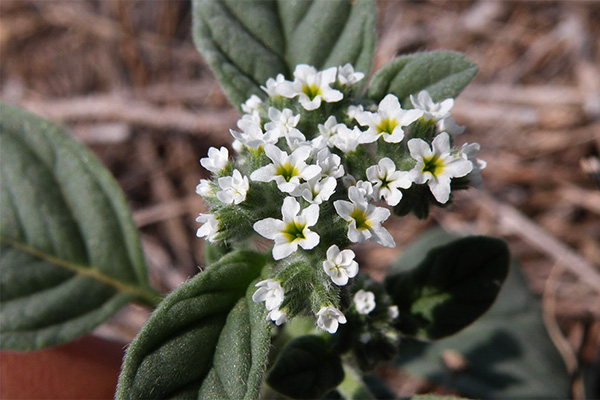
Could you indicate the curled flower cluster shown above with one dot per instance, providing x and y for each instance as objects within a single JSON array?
[{"x": 317, "y": 169}]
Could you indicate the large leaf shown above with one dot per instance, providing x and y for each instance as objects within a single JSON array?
[
  {"x": 452, "y": 287},
  {"x": 245, "y": 42},
  {"x": 508, "y": 353},
  {"x": 306, "y": 368},
  {"x": 444, "y": 74},
  {"x": 69, "y": 252},
  {"x": 206, "y": 340}
]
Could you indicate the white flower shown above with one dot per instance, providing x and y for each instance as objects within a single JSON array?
[
  {"x": 364, "y": 219},
  {"x": 326, "y": 132},
  {"x": 269, "y": 291},
  {"x": 366, "y": 189},
  {"x": 364, "y": 302},
  {"x": 469, "y": 151},
  {"x": 347, "y": 140},
  {"x": 234, "y": 188},
  {"x": 347, "y": 76},
  {"x": 393, "y": 312},
  {"x": 387, "y": 121},
  {"x": 210, "y": 226},
  {"x": 286, "y": 170},
  {"x": 431, "y": 110},
  {"x": 252, "y": 135},
  {"x": 311, "y": 87},
  {"x": 283, "y": 123},
  {"x": 216, "y": 160},
  {"x": 329, "y": 318},
  {"x": 331, "y": 164},
  {"x": 354, "y": 110},
  {"x": 272, "y": 85},
  {"x": 278, "y": 316},
  {"x": 205, "y": 188},
  {"x": 438, "y": 112},
  {"x": 292, "y": 231},
  {"x": 437, "y": 165},
  {"x": 386, "y": 181},
  {"x": 340, "y": 265},
  {"x": 316, "y": 190},
  {"x": 252, "y": 104}
]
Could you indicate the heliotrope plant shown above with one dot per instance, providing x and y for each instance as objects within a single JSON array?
[{"x": 320, "y": 160}]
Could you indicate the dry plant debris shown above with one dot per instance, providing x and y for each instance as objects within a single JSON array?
[{"x": 125, "y": 78}]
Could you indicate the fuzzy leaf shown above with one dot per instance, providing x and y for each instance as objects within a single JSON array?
[
  {"x": 507, "y": 353},
  {"x": 452, "y": 287},
  {"x": 245, "y": 42},
  {"x": 69, "y": 252},
  {"x": 444, "y": 74},
  {"x": 206, "y": 340},
  {"x": 306, "y": 369}
]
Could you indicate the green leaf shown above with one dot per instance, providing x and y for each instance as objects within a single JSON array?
[
  {"x": 452, "y": 287},
  {"x": 306, "y": 368},
  {"x": 508, "y": 353},
  {"x": 444, "y": 74},
  {"x": 206, "y": 340},
  {"x": 69, "y": 252},
  {"x": 245, "y": 42}
]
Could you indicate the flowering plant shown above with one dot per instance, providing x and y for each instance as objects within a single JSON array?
[{"x": 321, "y": 162}]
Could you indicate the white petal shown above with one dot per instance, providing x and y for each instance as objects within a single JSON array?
[
  {"x": 441, "y": 143},
  {"x": 275, "y": 154},
  {"x": 311, "y": 214},
  {"x": 440, "y": 188},
  {"x": 389, "y": 106},
  {"x": 457, "y": 167},
  {"x": 283, "y": 249},
  {"x": 264, "y": 174},
  {"x": 393, "y": 198},
  {"x": 418, "y": 149},
  {"x": 382, "y": 236},
  {"x": 269, "y": 227},
  {"x": 290, "y": 209},
  {"x": 343, "y": 208},
  {"x": 226, "y": 196},
  {"x": 311, "y": 240},
  {"x": 310, "y": 171}
]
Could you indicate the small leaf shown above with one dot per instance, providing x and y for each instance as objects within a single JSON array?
[
  {"x": 444, "y": 74},
  {"x": 69, "y": 252},
  {"x": 507, "y": 353},
  {"x": 306, "y": 369},
  {"x": 245, "y": 42},
  {"x": 206, "y": 340},
  {"x": 452, "y": 287}
]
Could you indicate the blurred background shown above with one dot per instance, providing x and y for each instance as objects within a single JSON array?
[{"x": 125, "y": 79}]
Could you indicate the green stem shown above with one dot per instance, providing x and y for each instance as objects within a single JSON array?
[{"x": 144, "y": 294}]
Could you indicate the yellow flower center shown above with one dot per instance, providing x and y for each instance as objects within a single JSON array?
[
  {"x": 287, "y": 171},
  {"x": 294, "y": 231},
  {"x": 360, "y": 217},
  {"x": 433, "y": 165},
  {"x": 311, "y": 90},
  {"x": 387, "y": 125}
]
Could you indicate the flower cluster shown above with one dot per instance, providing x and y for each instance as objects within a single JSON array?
[{"x": 319, "y": 168}]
